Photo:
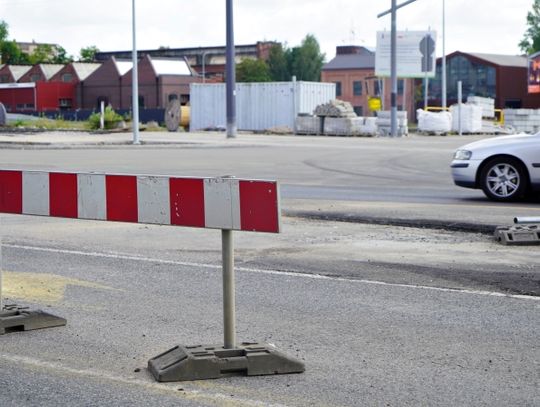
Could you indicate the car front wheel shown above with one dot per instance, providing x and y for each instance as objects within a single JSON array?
[{"x": 503, "y": 179}]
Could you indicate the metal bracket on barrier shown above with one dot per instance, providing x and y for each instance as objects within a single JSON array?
[
  {"x": 518, "y": 234},
  {"x": 14, "y": 319}
]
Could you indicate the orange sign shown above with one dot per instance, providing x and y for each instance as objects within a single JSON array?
[{"x": 534, "y": 73}]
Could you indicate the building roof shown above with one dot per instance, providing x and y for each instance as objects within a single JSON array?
[
  {"x": 170, "y": 67},
  {"x": 502, "y": 60},
  {"x": 351, "y": 61},
  {"x": 84, "y": 69},
  {"x": 50, "y": 69},
  {"x": 18, "y": 70},
  {"x": 123, "y": 66}
]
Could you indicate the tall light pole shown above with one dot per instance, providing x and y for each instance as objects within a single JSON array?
[
  {"x": 134, "y": 81},
  {"x": 443, "y": 67},
  {"x": 231, "y": 74}
]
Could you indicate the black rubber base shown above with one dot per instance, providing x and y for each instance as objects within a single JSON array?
[
  {"x": 15, "y": 319},
  {"x": 518, "y": 234},
  {"x": 211, "y": 362}
]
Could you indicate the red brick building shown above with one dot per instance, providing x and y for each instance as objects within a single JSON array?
[
  {"x": 12, "y": 73},
  {"x": 353, "y": 72}
]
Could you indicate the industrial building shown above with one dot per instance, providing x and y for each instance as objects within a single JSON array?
[
  {"x": 500, "y": 77},
  {"x": 208, "y": 62},
  {"x": 76, "y": 87}
]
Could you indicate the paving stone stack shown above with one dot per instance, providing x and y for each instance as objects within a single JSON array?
[
  {"x": 434, "y": 122},
  {"x": 335, "y": 108},
  {"x": 471, "y": 118},
  {"x": 336, "y": 118},
  {"x": 384, "y": 123},
  {"x": 523, "y": 120},
  {"x": 487, "y": 105}
]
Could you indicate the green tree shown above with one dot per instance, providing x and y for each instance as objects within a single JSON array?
[
  {"x": 12, "y": 54},
  {"x": 43, "y": 54},
  {"x": 88, "y": 54},
  {"x": 531, "y": 39},
  {"x": 61, "y": 56},
  {"x": 252, "y": 70},
  {"x": 307, "y": 60},
  {"x": 277, "y": 64},
  {"x": 4, "y": 30}
]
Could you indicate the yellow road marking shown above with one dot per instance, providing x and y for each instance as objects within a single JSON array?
[{"x": 41, "y": 287}]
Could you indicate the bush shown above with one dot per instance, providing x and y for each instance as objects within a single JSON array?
[{"x": 111, "y": 119}]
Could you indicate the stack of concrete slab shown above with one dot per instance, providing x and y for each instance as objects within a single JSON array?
[
  {"x": 310, "y": 125},
  {"x": 487, "y": 105},
  {"x": 349, "y": 126},
  {"x": 384, "y": 123},
  {"x": 434, "y": 122},
  {"x": 523, "y": 120},
  {"x": 335, "y": 108},
  {"x": 470, "y": 117},
  {"x": 336, "y": 126}
]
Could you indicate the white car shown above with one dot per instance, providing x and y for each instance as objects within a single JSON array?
[{"x": 505, "y": 167}]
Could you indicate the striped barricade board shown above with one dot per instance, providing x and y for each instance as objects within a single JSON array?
[
  {"x": 225, "y": 203},
  {"x": 218, "y": 203}
]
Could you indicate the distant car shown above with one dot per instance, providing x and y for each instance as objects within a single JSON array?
[{"x": 506, "y": 168}]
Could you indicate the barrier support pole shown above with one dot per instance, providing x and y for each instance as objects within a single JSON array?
[{"x": 229, "y": 317}]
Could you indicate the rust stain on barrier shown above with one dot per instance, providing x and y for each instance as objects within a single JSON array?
[{"x": 41, "y": 287}]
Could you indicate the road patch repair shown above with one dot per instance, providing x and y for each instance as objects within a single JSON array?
[{"x": 224, "y": 203}]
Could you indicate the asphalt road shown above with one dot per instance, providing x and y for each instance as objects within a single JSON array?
[
  {"x": 366, "y": 340},
  {"x": 381, "y": 315}
]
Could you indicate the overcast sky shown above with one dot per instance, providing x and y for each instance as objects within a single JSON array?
[{"x": 488, "y": 26}]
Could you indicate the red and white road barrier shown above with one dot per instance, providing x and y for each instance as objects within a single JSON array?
[
  {"x": 219, "y": 203},
  {"x": 225, "y": 203}
]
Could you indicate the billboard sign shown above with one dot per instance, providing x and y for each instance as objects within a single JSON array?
[
  {"x": 415, "y": 54},
  {"x": 534, "y": 73}
]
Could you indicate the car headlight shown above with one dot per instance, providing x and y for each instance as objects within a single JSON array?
[{"x": 462, "y": 155}]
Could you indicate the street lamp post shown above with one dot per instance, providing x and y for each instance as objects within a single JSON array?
[
  {"x": 134, "y": 81},
  {"x": 231, "y": 74}
]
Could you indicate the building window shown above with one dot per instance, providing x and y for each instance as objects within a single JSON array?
[
  {"x": 141, "y": 102},
  {"x": 67, "y": 77},
  {"x": 338, "y": 88},
  {"x": 400, "y": 86},
  {"x": 357, "y": 88},
  {"x": 359, "y": 110},
  {"x": 4, "y": 79},
  {"x": 35, "y": 77},
  {"x": 377, "y": 89}
]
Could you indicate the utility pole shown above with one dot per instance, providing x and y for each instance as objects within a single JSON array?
[
  {"x": 443, "y": 67},
  {"x": 230, "y": 73},
  {"x": 134, "y": 82},
  {"x": 393, "y": 63}
]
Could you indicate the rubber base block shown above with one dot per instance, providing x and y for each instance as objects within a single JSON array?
[
  {"x": 15, "y": 319},
  {"x": 211, "y": 362}
]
